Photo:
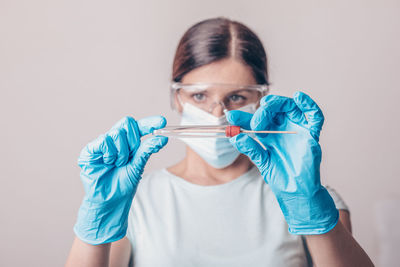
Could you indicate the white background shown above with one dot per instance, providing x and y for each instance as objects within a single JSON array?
[{"x": 70, "y": 69}]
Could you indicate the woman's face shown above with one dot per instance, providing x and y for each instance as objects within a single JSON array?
[{"x": 227, "y": 71}]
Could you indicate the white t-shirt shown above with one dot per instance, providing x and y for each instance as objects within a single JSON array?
[{"x": 173, "y": 222}]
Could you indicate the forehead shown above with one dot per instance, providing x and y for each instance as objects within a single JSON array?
[{"x": 228, "y": 71}]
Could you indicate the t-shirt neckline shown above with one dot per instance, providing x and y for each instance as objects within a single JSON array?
[{"x": 243, "y": 178}]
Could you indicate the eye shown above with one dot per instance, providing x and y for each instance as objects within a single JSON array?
[
  {"x": 199, "y": 97},
  {"x": 237, "y": 99}
]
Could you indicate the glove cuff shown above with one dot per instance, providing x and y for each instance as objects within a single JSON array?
[
  {"x": 102, "y": 223},
  {"x": 309, "y": 215}
]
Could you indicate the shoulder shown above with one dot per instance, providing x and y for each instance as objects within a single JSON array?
[
  {"x": 153, "y": 180},
  {"x": 154, "y": 175},
  {"x": 149, "y": 194}
]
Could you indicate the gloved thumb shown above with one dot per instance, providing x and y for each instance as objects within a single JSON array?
[
  {"x": 147, "y": 147},
  {"x": 249, "y": 147}
]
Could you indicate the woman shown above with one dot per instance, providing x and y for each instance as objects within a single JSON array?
[{"x": 215, "y": 208}]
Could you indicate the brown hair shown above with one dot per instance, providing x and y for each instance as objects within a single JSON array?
[{"x": 216, "y": 39}]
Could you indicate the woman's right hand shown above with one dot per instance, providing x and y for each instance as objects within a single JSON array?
[{"x": 111, "y": 168}]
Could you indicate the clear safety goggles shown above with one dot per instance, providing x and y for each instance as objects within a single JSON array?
[{"x": 208, "y": 96}]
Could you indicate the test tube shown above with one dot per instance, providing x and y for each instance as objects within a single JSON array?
[
  {"x": 193, "y": 131},
  {"x": 208, "y": 131}
]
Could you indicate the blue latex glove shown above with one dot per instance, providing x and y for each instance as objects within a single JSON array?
[
  {"x": 291, "y": 163},
  {"x": 111, "y": 168}
]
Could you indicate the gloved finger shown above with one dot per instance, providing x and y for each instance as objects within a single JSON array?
[
  {"x": 249, "y": 147},
  {"x": 262, "y": 119},
  {"x": 121, "y": 144},
  {"x": 147, "y": 125},
  {"x": 142, "y": 155},
  {"x": 314, "y": 115},
  {"x": 270, "y": 112},
  {"x": 277, "y": 103},
  {"x": 100, "y": 150},
  {"x": 286, "y": 105},
  {"x": 239, "y": 118},
  {"x": 131, "y": 128}
]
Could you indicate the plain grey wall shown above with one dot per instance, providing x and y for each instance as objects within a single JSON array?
[{"x": 70, "y": 69}]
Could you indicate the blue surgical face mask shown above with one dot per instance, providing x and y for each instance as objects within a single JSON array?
[{"x": 217, "y": 152}]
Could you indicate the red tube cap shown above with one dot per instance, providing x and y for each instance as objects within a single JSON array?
[{"x": 232, "y": 130}]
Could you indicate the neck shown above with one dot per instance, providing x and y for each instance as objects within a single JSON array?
[{"x": 196, "y": 170}]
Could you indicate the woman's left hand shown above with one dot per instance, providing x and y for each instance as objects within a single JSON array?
[{"x": 291, "y": 162}]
